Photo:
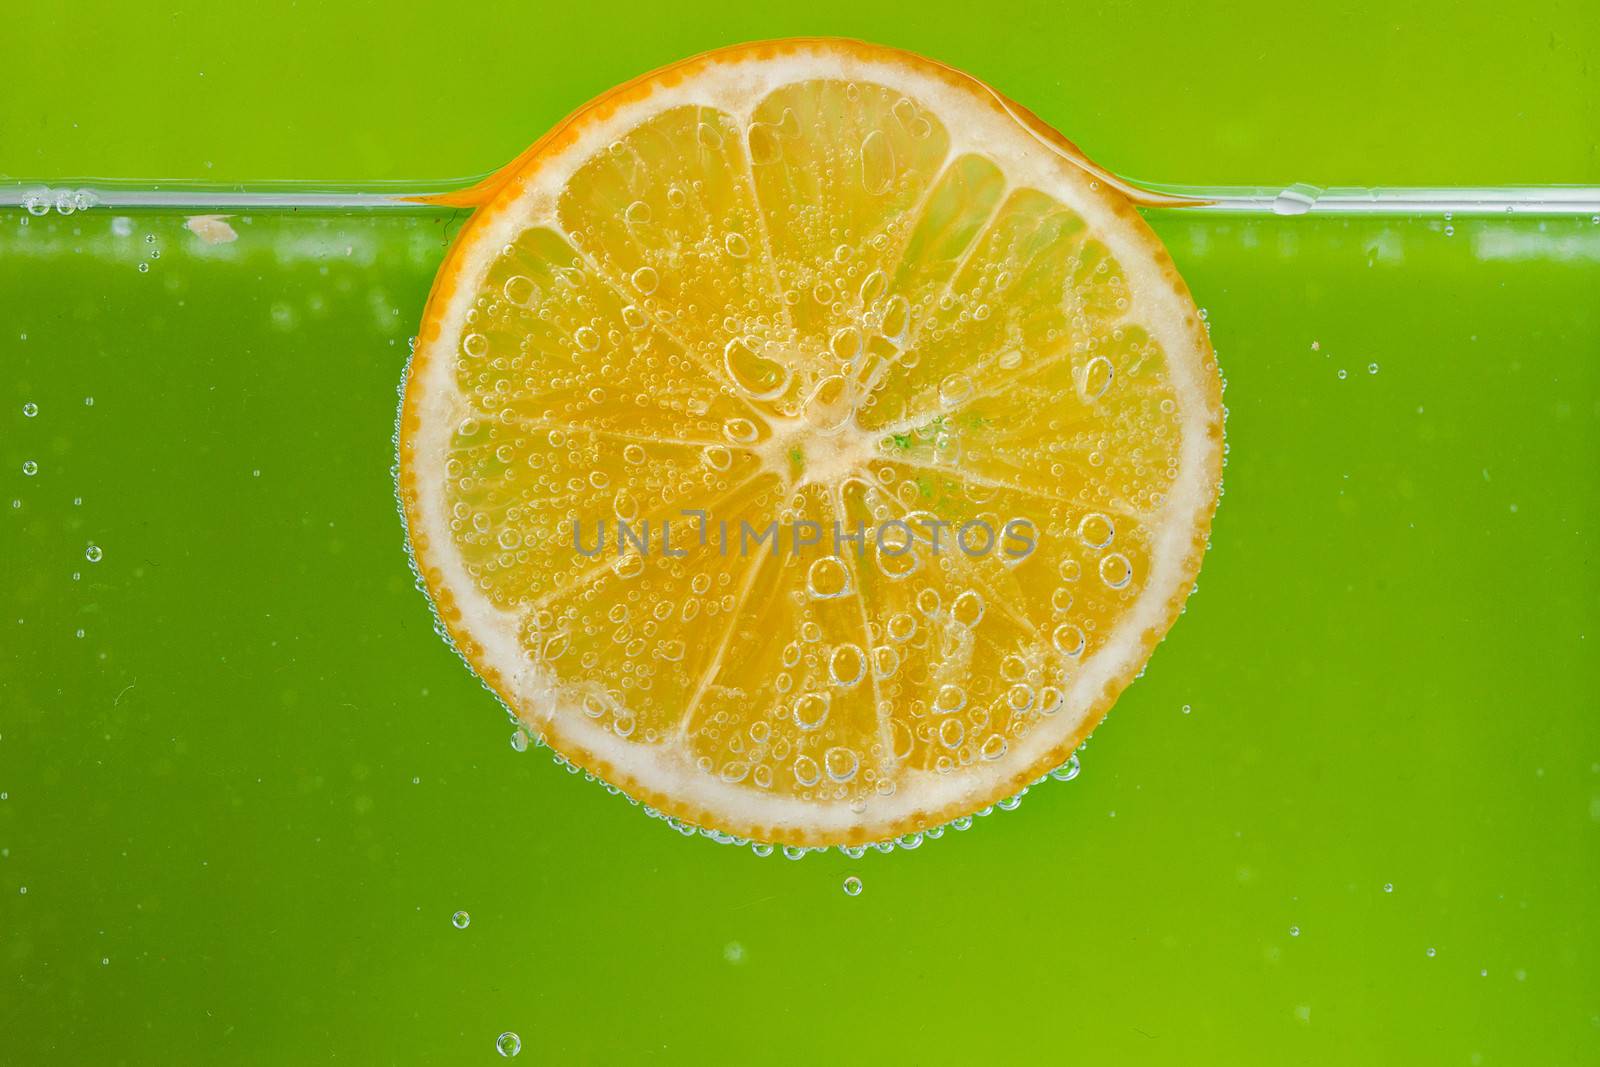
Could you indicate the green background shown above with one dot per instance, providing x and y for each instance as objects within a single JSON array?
[{"x": 246, "y": 801}]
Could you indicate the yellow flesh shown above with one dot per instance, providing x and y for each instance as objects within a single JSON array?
[{"x": 818, "y": 315}]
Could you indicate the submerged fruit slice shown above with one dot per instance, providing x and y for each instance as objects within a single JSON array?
[{"x": 809, "y": 442}]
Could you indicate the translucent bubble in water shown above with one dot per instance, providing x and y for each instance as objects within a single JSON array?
[
  {"x": 847, "y": 665},
  {"x": 1068, "y": 639},
  {"x": 93, "y": 554},
  {"x": 811, "y": 710},
  {"x": 30, "y": 409},
  {"x": 1096, "y": 530},
  {"x": 1115, "y": 570},
  {"x": 1067, "y": 771},
  {"x": 852, "y": 886},
  {"x": 460, "y": 920},
  {"x": 519, "y": 740},
  {"x": 827, "y": 578},
  {"x": 1097, "y": 376},
  {"x": 645, "y": 280},
  {"x": 508, "y": 1044},
  {"x": 952, "y": 733},
  {"x": 520, "y": 290},
  {"x": 1294, "y": 931},
  {"x": 806, "y": 771},
  {"x": 954, "y": 389},
  {"x": 29, "y": 467},
  {"x": 740, "y": 430},
  {"x": 841, "y": 763},
  {"x": 950, "y": 699}
]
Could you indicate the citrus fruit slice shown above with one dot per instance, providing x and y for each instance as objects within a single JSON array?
[{"x": 809, "y": 442}]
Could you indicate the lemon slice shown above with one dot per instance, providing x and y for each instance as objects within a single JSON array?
[{"x": 761, "y": 299}]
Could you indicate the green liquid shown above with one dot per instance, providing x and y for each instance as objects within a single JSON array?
[
  {"x": 247, "y": 803},
  {"x": 247, "y": 800}
]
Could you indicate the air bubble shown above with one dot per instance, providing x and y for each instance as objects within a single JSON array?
[
  {"x": 460, "y": 920},
  {"x": 508, "y": 1044},
  {"x": 811, "y": 711},
  {"x": 739, "y": 430},
  {"x": 949, "y": 699},
  {"x": 1096, "y": 530},
  {"x": 1068, "y": 770},
  {"x": 1068, "y": 639},
  {"x": 885, "y": 661},
  {"x": 520, "y": 291},
  {"x": 852, "y": 886},
  {"x": 847, "y": 665},
  {"x": 841, "y": 763},
  {"x": 846, "y": 343},
  {"x": 951, "y": 733},
  {"x": 828, "y": 578},
  {"x": 954, "y": 389},
  {"x": 1115, "y": 570},
  {"x": 645, "y": 280},
  {"x": 806, "y": 771}
]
